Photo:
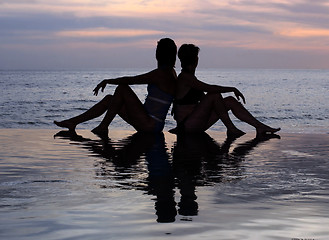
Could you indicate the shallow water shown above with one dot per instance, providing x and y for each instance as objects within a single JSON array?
[{"x": 204, "y": 186}]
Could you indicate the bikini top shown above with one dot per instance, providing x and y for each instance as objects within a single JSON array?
[
  {"x": 157, "y": 102},
  {"x": 193, "y": 96}
]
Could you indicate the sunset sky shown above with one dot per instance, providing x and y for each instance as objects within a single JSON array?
[{"x": 78, "y": 34}]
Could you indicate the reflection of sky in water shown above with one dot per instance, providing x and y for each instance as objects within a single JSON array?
[{"x": 85, "y": 188}]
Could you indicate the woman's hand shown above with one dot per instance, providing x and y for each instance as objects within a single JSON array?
[
  {"x": 101, "y": 86},
  {"x": 239, "y": 95}
]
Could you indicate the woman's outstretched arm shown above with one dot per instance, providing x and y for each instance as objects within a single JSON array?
[
  {"x": 197, "y": 84},
  {"x": 145, "y": 78}
]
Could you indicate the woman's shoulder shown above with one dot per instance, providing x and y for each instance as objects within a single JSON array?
[
  {"x": 186, "y": 75},
  {"x": 157, "y": 76},
  {"x": 160, "y": 72},
  {"x": 186, "y": 78}
]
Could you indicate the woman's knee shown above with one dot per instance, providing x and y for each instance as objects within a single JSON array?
[
  {"x": 214, "y": 96},
  {"x": 231, "y": 101},
  {"x": 106, "y": 99},
  {"x": 123, "y": 88}
]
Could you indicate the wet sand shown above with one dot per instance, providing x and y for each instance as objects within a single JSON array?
[{"x": 137, "y": 186}]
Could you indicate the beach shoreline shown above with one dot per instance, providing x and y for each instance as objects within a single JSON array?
[
  {"x": 117, "y": 134},
  {"x": 121, "y": 132}
]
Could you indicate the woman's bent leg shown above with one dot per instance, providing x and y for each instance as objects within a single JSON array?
[
  {"x": 244, "y": 115},
  {"x": 125, "y": 103},
  {"x": 209, "y": 111},
  {"x": 94, "y": 112}
]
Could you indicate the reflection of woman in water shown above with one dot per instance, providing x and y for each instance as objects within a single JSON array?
[
  {"x": 195, "y": 111},
  {"x": 147, "y": 117},
  {"x": 197, "y": 160}
]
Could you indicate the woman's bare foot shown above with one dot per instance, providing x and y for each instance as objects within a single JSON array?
[
  {"x": 66, "y": 124},
  {"x": 100, "y": 131},
  {"x": 264, "y": 129},
  {"x": 235, "y": 133}
]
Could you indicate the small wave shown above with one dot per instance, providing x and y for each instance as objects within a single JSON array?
[
  {"x": 47, "y": 181},
  {"x": 80, "y": 109},
  {"x": 52, "y": 116},
  {"x": 297, "y": 153},
  {"x": 15, "y": 183},
  {"x": 82, "y": 101},
  {"x": 31, "y": 124},
  {"x": 64, "y": 110},
  {"x": 294, "y": 117},
  {"x": 26, "y": 123}
]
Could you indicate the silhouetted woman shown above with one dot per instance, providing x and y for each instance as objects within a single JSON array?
[
  {"x": 199, "y": 105},
  {"x": 147, "y": 117}
]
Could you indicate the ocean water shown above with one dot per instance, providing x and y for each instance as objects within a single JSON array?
[{"x": 295, "y": 100}]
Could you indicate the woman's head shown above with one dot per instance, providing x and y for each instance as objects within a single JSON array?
[
  {"x": 166, "y": 52},
  {"x": 188, "y": 55}
]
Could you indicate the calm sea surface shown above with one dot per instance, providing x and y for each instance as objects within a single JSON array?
[
  {"x": 295, "y": 100},
  {"x": 79, "y": 187}
]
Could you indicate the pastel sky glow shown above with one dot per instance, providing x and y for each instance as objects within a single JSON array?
[{"x": 75, "y": 34}]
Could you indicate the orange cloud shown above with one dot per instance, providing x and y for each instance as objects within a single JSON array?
[
  {"x": 84, "y": 8},
  {"x": 105, "y": 32},
  {"x": 301, "y": 33}
]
